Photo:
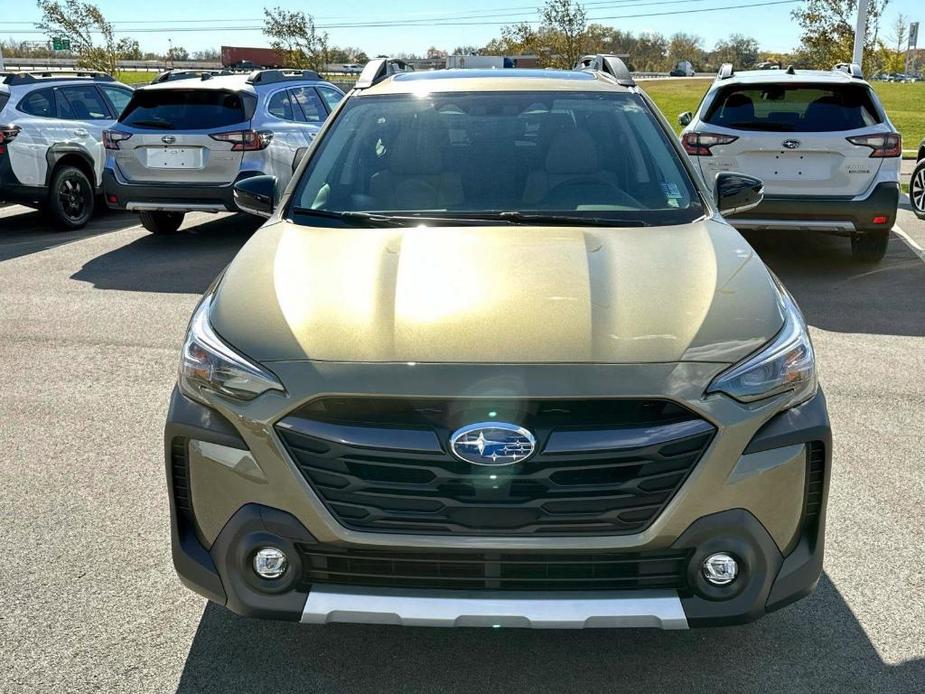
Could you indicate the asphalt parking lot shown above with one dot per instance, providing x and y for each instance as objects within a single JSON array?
[{"x": 90, "y": 327}]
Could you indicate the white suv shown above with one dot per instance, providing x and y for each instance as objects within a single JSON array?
[
  {"x": 51, "y": 140},
  {"x": 821, "y": 142}
]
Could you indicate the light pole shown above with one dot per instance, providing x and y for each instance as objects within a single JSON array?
[{"x": 860, "y": 31}]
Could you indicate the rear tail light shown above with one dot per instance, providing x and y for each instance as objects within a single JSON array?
[
  {"x": 699, "y": 144},
  {"x": 112, "y": 138},
  {"x": 883, "y": 146},
  {"x": 8, "y": 133},
  {"x": 245, "y": 140}
]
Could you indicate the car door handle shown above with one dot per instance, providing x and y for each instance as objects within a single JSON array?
[{"x": 81, "y": 132}]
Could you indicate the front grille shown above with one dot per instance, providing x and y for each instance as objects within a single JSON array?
[
  {"x": 493, "y": 571},
  {"x": 602, "y": 467}
]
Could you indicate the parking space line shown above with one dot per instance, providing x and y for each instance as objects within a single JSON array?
[{"x": 910, "y": 242}]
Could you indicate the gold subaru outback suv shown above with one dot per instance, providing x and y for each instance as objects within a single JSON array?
[{"x": 497, "y": 359}]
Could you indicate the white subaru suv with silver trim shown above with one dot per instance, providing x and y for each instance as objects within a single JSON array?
[
  {"x": 183, "y": 142},
  {"x": 820, "y": 140},
  {"x": 51, "y": 148}
]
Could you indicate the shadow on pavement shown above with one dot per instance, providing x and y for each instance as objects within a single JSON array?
[
  {"x": 839, "y": 294},
  {"x": 24, "y": 231},
  {"x": 182, "y": 263},
  {"x": 814, "y": 645}
]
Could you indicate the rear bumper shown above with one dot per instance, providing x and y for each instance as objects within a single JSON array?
[
  {"x": 174, "y": 197},
  {"x": 771, "y": 575},
  {"x": 826, "y": 214},
  {"x": 12, "y": 190}
]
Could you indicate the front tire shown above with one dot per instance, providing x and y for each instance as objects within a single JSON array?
[
  {"x": 162, "y": 223},
  {"x": 870, "y": 247},
  {"x": 917, "y": 190},
  {"x": 71, "y": 198}
]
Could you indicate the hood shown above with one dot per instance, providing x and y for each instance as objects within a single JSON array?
[{"x": 508, "y": 294}]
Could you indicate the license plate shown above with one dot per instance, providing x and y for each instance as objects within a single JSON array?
[
  {"x": 174, "y": 158},
  {"x": 792, "y": 166}
]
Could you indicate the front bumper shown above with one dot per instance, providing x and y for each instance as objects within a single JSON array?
[
  {"x": 234, "y": 489},
  {"x": 169, "y": 197},
  {"x": 827, "y": 214}
]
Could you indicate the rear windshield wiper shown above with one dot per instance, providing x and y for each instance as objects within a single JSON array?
[
  {"x": 166, "y": 125},
  {"x": 515, "y": 217}
]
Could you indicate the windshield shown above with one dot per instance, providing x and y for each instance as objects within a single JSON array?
[
  {"x": 186, "y": 109},
  {"x": 797, "y": 108},
  {"x": 476, "y": 155}
]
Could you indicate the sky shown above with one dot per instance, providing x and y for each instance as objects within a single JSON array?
[{"x": 411, "y": 26}]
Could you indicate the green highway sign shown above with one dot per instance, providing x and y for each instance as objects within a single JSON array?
[{"x": 61, "y": 44}]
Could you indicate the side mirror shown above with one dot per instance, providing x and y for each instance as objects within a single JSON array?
[
  {"x": 256, "y": 195},
  {"x": 684, "y": 119},
  {"x": 299, "y": 156},
  {"x": 735, "y": 192}
]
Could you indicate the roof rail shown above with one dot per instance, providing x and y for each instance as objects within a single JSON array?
[
  {"x": 275, "y": 75},
  {"x": 725, "y": 71},
  {"x": 609, "y": 64},
  {"x": 171, "y": 75},
  {"x": 377, "y": 70},
  {"x": 852, "y": 69},
  {"x": 15, "y": 78}
]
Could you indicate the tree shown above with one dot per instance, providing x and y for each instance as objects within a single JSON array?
[
  {"x": 563, "y": 27},
  {"x": 293, "y": 34},
  {"x": 683, "y": 46},
  {"x": 558, "y": 41},
  {"x": 78, "y": 22},
  {"x": 207, "y": 55},
  {"x": 465, "y": 50},
  {"x": 176, "y": 53},
  {"x": 828, "y": 31},
  {"x": 741, "y": 51}
]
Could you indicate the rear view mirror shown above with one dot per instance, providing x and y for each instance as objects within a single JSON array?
[
  {"x": 735, "y": 192},
  {"x": 256, "y": 195},
  {"x": 684, "y": 119}
]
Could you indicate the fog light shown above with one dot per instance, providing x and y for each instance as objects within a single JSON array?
[
  {"x": 720, "y": 569},
  {"x": 270, "y": 562}
]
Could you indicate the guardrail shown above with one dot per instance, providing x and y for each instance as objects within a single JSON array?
[{"x": 27, "y": 64}]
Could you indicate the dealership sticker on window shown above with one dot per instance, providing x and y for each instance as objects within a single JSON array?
[{"x": 672, "y": 193}]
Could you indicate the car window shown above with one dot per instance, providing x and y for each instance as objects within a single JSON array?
[
  {"x": 4, "y": 98},
  {"x": 793, "y": 108},
  {"x": 85, "y": 103},
  {"x": 310, "y": 104},
  {"x": 280, "y": 105},
  {"x": 118, "y": 96},
  {"x": 186, "y": 109},
  {"x": 592, "y": 153},
  {"x": 331, "y": 96},
  {"x": 40, "y": 102}
]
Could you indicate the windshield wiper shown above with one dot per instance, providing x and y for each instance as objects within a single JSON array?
[
  {"x": 515, "y": 217},
  {"x": 480, "y": 219},
  {"x": 166, "y": 125},
  {"x": 393, "y": 220}
]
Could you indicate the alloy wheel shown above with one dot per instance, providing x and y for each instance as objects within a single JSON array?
[
  {"x": 917, "y": 189},
  {"x": 72, "y": 198}
]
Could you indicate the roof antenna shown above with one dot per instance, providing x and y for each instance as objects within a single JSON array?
[{"x": 790, "y": 70}]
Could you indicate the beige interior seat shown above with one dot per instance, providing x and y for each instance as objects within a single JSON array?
[{"x": 415, "y": 178}]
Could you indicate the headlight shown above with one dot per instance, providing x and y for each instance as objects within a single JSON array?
[
  {"x": 785, "y": 365},
  {"x": 208, "y": 364}
]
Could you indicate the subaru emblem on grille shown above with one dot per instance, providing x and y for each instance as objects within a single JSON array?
[
  {"x": 168, "y": 139},
  {"x": 492, "y": 443},
  {"x": 791, "y": 144}
]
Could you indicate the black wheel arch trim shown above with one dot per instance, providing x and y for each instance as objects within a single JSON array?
[{"x": 59, "y": 151}]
